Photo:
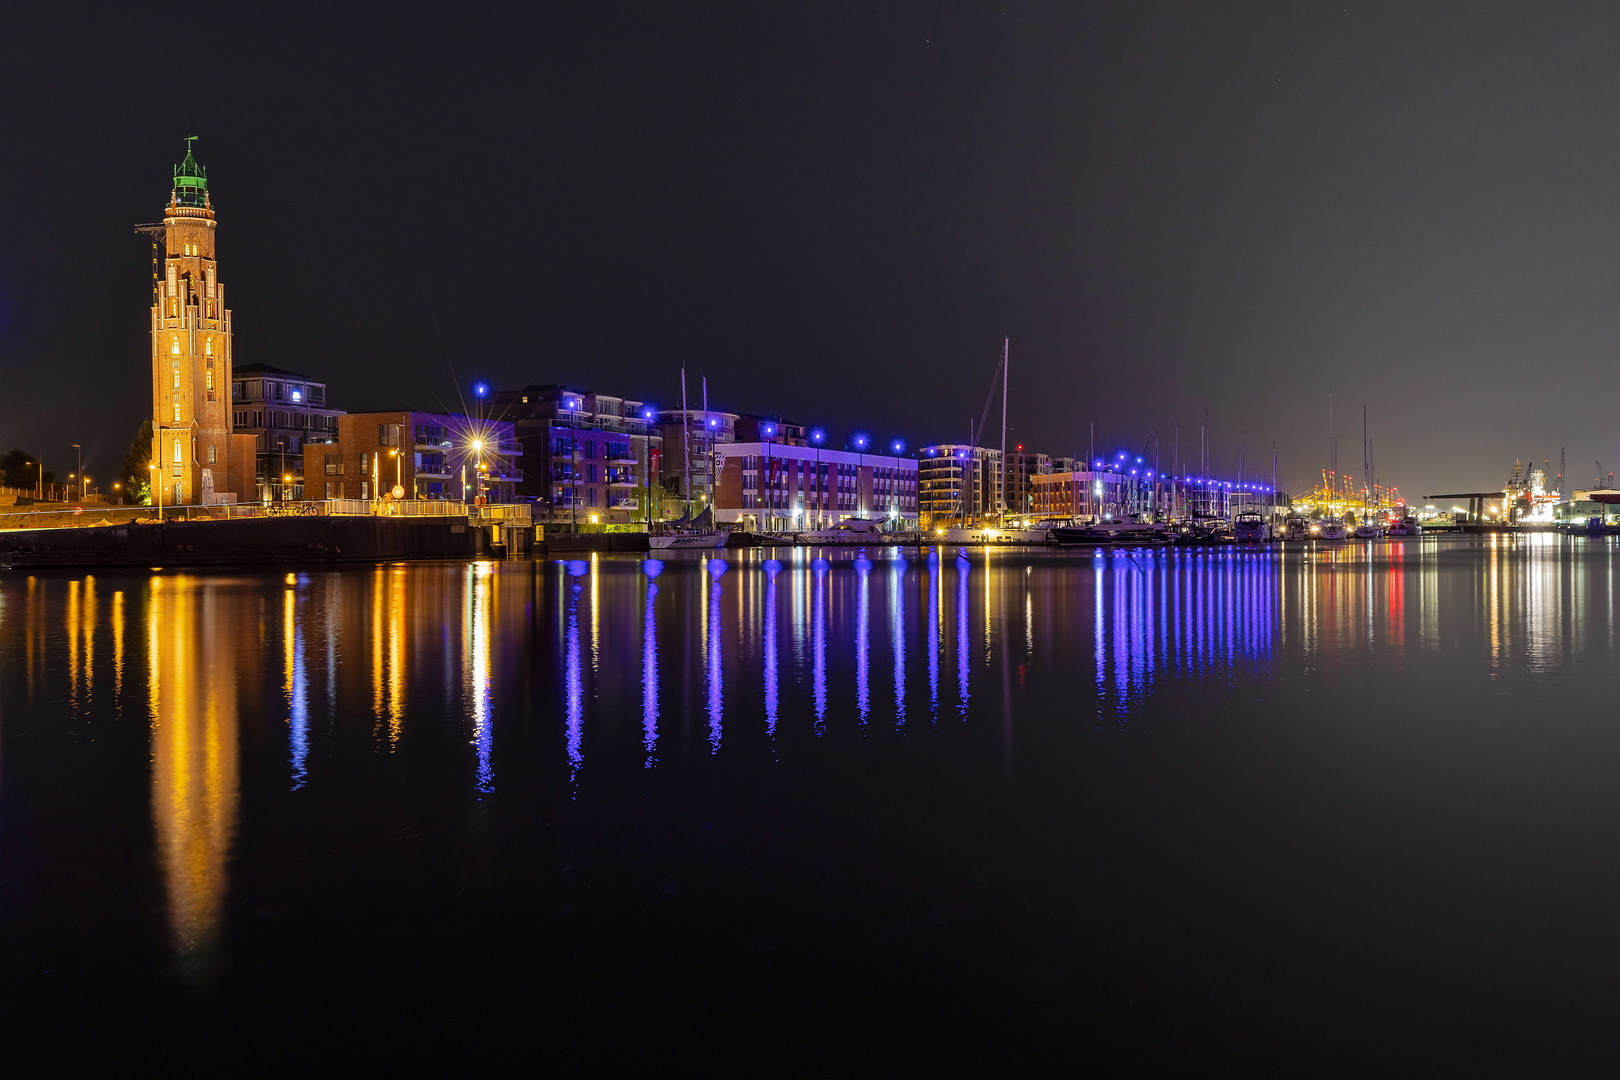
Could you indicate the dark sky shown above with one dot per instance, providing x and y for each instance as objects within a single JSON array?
[{"x": 837, "y": 212}]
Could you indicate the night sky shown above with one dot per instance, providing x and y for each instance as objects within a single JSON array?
[{"x": 837, "y": 212}]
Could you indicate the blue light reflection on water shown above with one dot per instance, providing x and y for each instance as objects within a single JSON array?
[
  {"x": 819, "y": 647},
  {"x": 772, "y": 568},
  {"x": 863, "y": 638},
  {"x": 963, "y": 569}
]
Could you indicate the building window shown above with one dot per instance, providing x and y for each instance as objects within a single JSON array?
[
  {"x": 177, "y": 420},
  {"x": 365, "y": 489},
  {"x": 389, "y": 434},
  {"x": 334, "y": 464},
  {"x": 178, "y": 458},
  {"x": 208, "y": 345},
  {"x": 211, "y": 453},
  {"x": 177, "y": 378},
  {"x": 174, "y": 346},
  {"x": 209, "y": 375}
]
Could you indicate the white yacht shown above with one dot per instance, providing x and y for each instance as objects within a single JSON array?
[
  {"x": 1039, "y": 532},
  {"x": 682, "y": 539},
  {"x": 849, "y": 532},
  {"x": 1330, "y": 528}
]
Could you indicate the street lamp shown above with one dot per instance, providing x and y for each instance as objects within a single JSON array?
[
  {"x": 286, "y": 482},
  {"x": 860, "y": 461},
  {"x": 399, "y": 485},
  {"x": 816, "y": 437},
  {"x": 80, "y": 469},
  {"x": 152, "y": 486},
  {"x": 895, "y": 448},
  {"x": 769, "y": 490},
  {"x": 117, "y": 487}
]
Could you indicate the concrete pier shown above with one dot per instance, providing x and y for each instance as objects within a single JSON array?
[{"x": 260, "y": 541}]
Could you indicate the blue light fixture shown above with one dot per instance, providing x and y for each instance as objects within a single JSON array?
[{"x": 480, "y": 389}]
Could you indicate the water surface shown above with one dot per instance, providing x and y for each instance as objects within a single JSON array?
[{"x": 1221, "y": 811}]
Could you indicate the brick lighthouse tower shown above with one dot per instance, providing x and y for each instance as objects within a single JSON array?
[{"x": 191, "y": 356}]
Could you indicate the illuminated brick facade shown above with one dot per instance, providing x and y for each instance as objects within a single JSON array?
[{"x": 191, "y": 356}]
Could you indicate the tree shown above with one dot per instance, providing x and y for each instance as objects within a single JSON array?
[
  {"x": 22, "y": 470},
  {"x": 133, "y": 472}
]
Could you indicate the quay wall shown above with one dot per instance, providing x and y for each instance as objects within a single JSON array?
[{"x": 247, "y": 541}]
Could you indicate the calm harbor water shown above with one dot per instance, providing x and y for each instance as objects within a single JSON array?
[{"x": 1338, "y": 811}]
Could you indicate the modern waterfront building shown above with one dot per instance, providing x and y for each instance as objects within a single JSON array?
[
  {"x": 425, "y": 455},
  {"x": 282, "y": 410},
  {"x": 1120, "y": 488},
  {"x": 586, "y": 455},
  {"x": 195, "y": 456},
  {"x": 692, "y": 438},
  {"x": 1022, "y": 468},
  {"x": 750, "y": 428},
  {"x": 779, "y": 486},
  {"x": 957, "y": 483}
]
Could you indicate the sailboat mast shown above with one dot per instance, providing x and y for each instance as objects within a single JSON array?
[
  {"x": 686, "y": 445},
  {"x": 1006, "y": 345},
  {"x": 1366, "y": 466},
  {"x": 708, "y": 453},
  {"x": 1175, "y": 470}
]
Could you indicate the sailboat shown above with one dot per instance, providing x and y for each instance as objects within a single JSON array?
[
  {"x": 1367, "y": 529},
  {"x": 688, "y": 531}
]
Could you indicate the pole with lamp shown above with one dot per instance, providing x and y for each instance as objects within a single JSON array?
[
  {"x": 80, "y": 472},
  {"x": 157, "y": 492},
  {"x": 860, "y": 463},
  {"x": 816, "y": 437},
  {"x": 399, "y": 465},
  {"x": 894, "y": 480},
  {"x": 765, "y": 475}
]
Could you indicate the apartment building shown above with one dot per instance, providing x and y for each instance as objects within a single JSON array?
[
  {"x": 956, "y": 483},
  {"x": 692, "y": 438},
  {"x": 784, "y": 485},
  {"x": 585, "y": 454},
  {"x": 283, "y": 410},
  {"x": 423, "y": 455}
]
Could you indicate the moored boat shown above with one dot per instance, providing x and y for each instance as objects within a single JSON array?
[
  {"x": 849, "y": 532},
  {"x": 683, "y": 539},
  {"x": 1330, "y": 528},
  {"x": 1250, "y": 528}
]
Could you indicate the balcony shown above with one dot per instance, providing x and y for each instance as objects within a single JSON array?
[
  {"x": 623, "y": 461},
  {"x": 623, "y": 484}
]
